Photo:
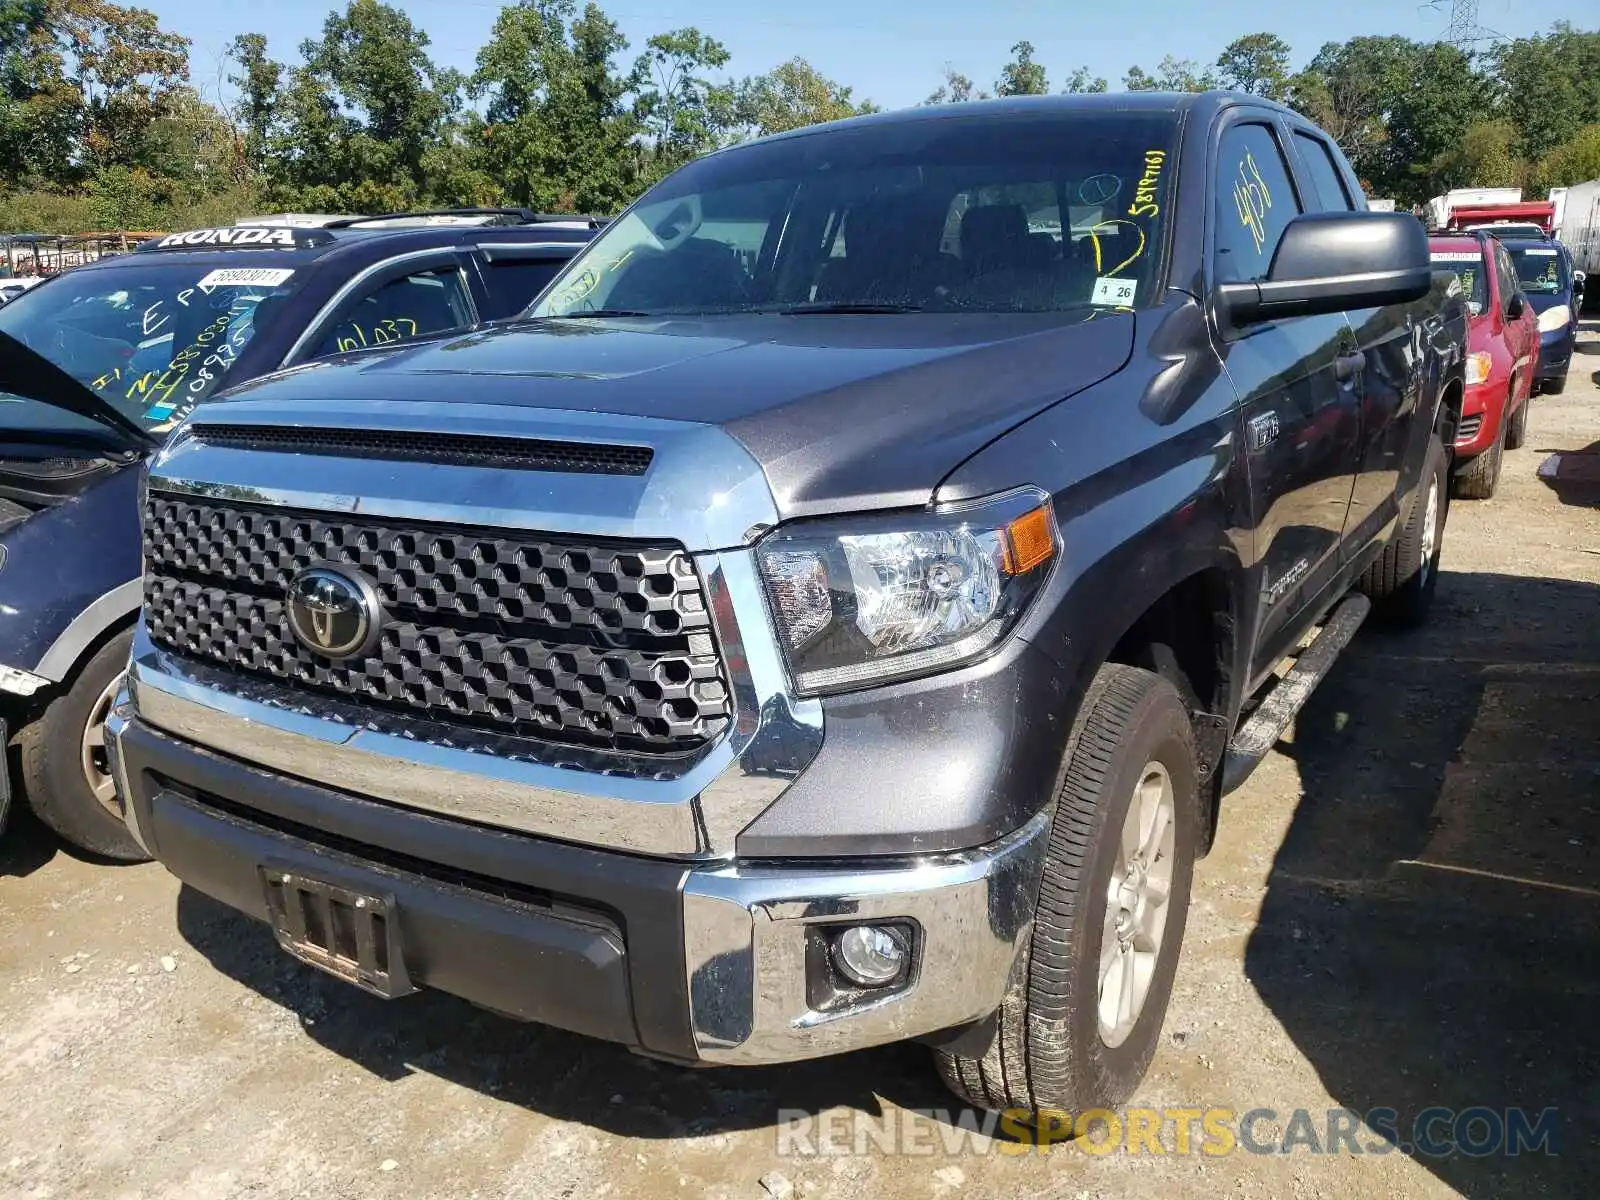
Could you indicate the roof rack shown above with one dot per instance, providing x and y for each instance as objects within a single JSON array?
[{"x": 519, "y": 216}]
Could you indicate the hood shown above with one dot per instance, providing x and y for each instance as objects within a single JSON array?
[
  {"x": 842, "y": 412},
  {"x": 25, "y": 372},
  {"x": 1544, "y": 300}
]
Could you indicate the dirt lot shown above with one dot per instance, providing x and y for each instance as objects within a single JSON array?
[{"x": 1402, "y": 910}]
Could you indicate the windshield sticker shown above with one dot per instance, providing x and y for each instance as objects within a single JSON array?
[
  {"x": 1144, "y": 196},
  {"x": 1253, "y": 198},
  {"x": 245, "y": 277},
  {"x": 1540, "y": 253},
  {"x": 1118, "y": 292},
  {"x": 1470, "y": 256}
]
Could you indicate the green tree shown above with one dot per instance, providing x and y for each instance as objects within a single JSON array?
[
  {"x": 956, "y": 89},
  {"x": 359, "y": 123},
  {"x": 1551, "y": 86},
  {"x": 1022, "y": 76},
  {"x": 1257, "y": 63},
  {"x": 41, "y": 112},
  {"x": 1171, "y": 75},
  {"x": 792, "y": 95},
  {"x": 1483, "y": 158},
  {"x": 126, "y": 69},
  {"x": 557, "y": 131},
  {"x": 1574, "y": 161},
  {"x": 1081, "y": 80},
  {"x": 684, "y": 113},
  {"x": 257, "y": 80},
  {"x": 1396, "y": 107}
]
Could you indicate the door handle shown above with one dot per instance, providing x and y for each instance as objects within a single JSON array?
[{"x": 1349, "y": 366}]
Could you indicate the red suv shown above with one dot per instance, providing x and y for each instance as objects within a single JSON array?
[{"x": 1502, "y": 358}]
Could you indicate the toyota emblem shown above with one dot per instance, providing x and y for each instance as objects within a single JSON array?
[{"x": 332, "y": 613}]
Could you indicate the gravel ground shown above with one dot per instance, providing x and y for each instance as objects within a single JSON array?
[{"x": 1401, "y": 911}]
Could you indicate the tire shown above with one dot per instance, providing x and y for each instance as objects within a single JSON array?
[
  {"x": 54, "y": 774},
  {"x": 1049, "y": 1051},
  {"x": 1482, "y": 476},
  {"x": 1401, "y": 583},
  {"x": 1554, "y": 387},
  {"x": 1517, "y": 431}
]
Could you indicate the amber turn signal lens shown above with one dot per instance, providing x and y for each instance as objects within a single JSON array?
[{"x": 1029, "y": 542}]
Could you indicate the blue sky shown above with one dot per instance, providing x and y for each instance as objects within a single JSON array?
[{"x": 894, "y": 51}]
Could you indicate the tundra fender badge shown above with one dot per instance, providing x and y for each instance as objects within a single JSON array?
[{"x": 1263, "y": 430}]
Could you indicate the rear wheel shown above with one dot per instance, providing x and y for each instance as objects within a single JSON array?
[
  {"x": 1482, "y": 475},
  {"x": 64, "y": 768},
  {"x": 1517, "y": 431},
  {"x": 1082, "y": 1016},
  {"x": 1554, "y": 387},
  {"x": 1402, "y": 581}
]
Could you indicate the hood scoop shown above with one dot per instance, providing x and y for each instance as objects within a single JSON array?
[{"x": 450, "y": 449}]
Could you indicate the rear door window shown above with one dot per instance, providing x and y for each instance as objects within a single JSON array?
[
  {"x": 415, "y": 305},
  {"x": 1324, "y": 173}
]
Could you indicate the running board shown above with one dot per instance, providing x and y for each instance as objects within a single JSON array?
[{"x": 1260, "y": 733}]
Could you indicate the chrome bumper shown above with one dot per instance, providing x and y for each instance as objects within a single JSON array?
[
  {"x": 750, "y": 932},
  {"x": 747, "y": 930},
  {"x": 117, "y": 720}
]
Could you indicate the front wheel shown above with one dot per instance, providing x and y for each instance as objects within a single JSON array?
[
  {"x": 1554, "y": 387},
  {"x": 1517, "y": 431},
  {"x": 1481, "y": 477},
  {"x": 64, "y": 769},
  {"x": 1082, "y": 1017}
]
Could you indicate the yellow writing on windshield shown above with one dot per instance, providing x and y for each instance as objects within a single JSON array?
[
  {"x": 1109, "y": 228},
  {"x": 1145, "y": 203}
]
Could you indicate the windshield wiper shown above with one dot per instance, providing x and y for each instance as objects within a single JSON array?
[{"x": 844, "y": 306}]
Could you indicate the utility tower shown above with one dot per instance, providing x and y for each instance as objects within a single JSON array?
[{"x": 1463, "y": 28}]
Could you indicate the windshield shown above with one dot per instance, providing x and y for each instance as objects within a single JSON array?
[
  {"x": 1539, "y": 269},
  {"x": 1470, "y": 269},
  {"x": 151, "y": 338},
  {"x": 1018, "y": 213}
]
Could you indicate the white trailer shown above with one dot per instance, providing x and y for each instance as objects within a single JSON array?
[{"x": 1580, "y": 227}]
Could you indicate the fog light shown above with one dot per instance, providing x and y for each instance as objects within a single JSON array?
[{"x": 870, "y": 955}]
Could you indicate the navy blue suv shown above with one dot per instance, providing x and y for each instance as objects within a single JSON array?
[
  {"x": 99, "y": 363},
  {"x": 1554, "y": 291}
]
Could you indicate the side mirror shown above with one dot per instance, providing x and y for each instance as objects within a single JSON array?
[
  {"x": 1331, "y": 262},
  {"x": 1514, "y": 306}
]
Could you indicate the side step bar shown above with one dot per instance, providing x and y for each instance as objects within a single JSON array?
[{"x": 1260, "y": 733}]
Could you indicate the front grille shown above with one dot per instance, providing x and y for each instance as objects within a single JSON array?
[
  {"x": 454, "y": 449},
  {"x": 607, "y": 646},
  {"x": 1469, "y": 428}
]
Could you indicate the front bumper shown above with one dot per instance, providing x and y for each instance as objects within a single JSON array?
[
  {"x": 1555, "y": 353},
  {"x": 719, "y": 963},
  {"x": 1482, "y": 410}
]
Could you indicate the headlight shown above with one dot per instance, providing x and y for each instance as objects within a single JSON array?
[
  {"x": 1478, "y": 367},
  {"x": 866, "y": 600},
  {"x": 1553, "y": 318}
]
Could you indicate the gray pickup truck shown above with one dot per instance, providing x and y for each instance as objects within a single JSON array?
[{"x": 833, "y": 614}]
